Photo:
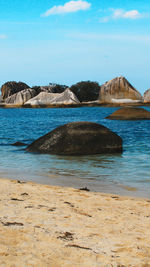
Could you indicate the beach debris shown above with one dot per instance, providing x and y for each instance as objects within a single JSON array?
[
  {"x": 24, "y": 194},
  {"x": 16, "y": 199},
  {"x": 66, "y": 236},
  {"x": 77, "y": 246},
  {"x": 84, "y": 213},
  {"x": 21, "y": 182},
  {"x": 84, "y": 189},
  {"x": 115, "y": 197},
  {"x": 12, "y": 223},
  {"x": 71, "y": 205},
  {"x": 52, "y": 209}
]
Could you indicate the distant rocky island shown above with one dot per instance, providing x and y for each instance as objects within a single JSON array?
[{"x": 115, "y": 92}]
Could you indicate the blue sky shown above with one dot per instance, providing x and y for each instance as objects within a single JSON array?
[{"x": 69, "y": 41}]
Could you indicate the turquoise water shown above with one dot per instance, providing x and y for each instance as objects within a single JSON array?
[{"x": 127, "y": 173}]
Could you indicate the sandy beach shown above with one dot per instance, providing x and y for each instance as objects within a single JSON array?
[{"x": 54, "y": 226}]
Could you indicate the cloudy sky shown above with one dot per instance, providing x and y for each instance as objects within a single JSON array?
[{"x": 62, "y": 41}]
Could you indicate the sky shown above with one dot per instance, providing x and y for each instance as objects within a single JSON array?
[{"x": 47, "y": 41}]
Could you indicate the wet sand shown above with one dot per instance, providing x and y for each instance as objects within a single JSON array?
[{"x": 42, "y": 225}]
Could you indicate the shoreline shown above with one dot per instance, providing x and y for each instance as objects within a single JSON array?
[
  {"x": 43, "y": 225},
  {"x": 94, "y": 186},
  {"x": 90, "y": 104}
]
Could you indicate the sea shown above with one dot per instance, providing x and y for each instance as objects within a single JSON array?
[{"x": 126, "y": 173}]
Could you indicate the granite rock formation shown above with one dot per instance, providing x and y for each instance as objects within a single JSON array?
[
  {"x": 78, "y": 138},
  {"x": 130, "y": 113},
  {"x": 10, "y": 88},
  {"x": 119, "y": 90},
  {"x": 1, "y": 99},
  {"x": 21, "y": 97},
  {"x": 86, "y": 91},
  {"x": 44, "y": 98},
  {"x": 53, "y": 88},
  {"x": 147, "y": 96}
]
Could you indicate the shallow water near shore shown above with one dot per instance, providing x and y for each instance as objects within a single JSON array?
[{"x": 127, "y": 173}]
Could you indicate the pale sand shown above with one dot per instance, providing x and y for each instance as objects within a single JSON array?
[{"x": 51, "y": 226}]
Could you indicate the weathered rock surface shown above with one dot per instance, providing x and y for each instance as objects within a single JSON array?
[
  {"x": 10, "y": 88},
  {"x": 130, "y": 113},
  {"x": 147, "y": 96},
  {"x": 86, "y": 91},
  {"x": 44, "y": 98},
  {"x": 119, "y": 89},
  {"x": 53, "y": 88},
  {"x": 1, "y": 99},
  {"x": 21, "y": 97},
  {"x": 125, "y": 101},
  {"x": 78, "y": 138}
]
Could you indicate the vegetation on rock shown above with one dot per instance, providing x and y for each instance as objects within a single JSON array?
[
  {"x": 86, "y": 91},
  {"x": 54, "y": 88},
  {"x": 12, "y": 87}
]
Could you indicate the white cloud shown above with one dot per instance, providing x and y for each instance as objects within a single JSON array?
[
  {"x": 3, "y": 36},
  {"x": 122, "y": 14},
  {"x": 69, "y": 7},
  {"x": 131, "y": 14}
]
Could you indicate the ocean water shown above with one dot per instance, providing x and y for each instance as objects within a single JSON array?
[{"x": 127, "y": 173}]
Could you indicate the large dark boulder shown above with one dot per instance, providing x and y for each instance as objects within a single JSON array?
[
  {"x": 78, "y": 138},
  {"x": 119, "y": 90},
  {"x": 86, "y": 91},
  {"x": 10, "y": 88},
  {"x": 130, "y": 113}
]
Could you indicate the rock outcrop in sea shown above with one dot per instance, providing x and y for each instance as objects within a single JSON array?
[
  {"x": 78, "y": 138},
  {"x": 147, "y": 96},
  {"x": 21, "y": 97},
  {"x": 10, "y": 88},
  {"x": 119, "y": 90},
  {"x": 44, "y": 98},
  {"x": 130, "y": 113}
]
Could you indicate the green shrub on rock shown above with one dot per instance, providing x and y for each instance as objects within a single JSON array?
[
  {"x": 86, "y": 91},
  {"x": 12, "y": 87}
]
